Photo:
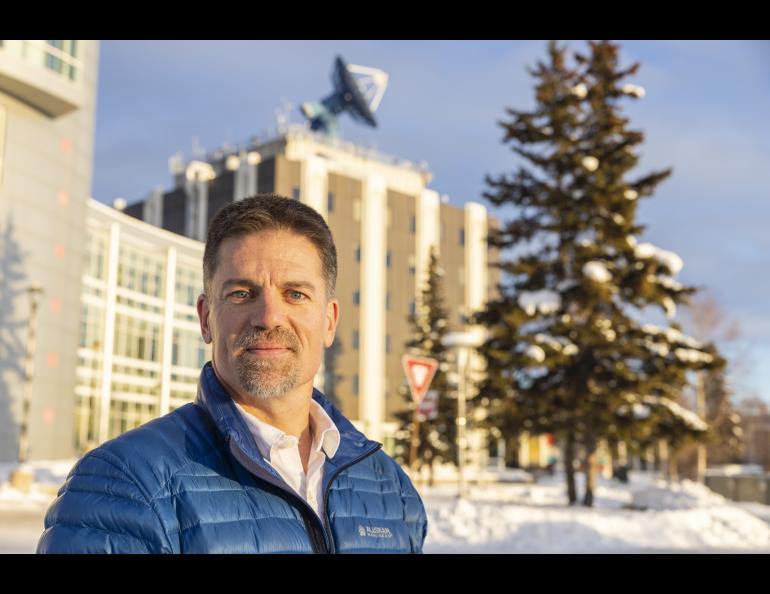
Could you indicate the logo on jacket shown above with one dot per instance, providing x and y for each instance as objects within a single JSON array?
[{"x": 375, "y": 532}]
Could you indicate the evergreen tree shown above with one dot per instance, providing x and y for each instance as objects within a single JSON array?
[
  {"x": 437, "y": 438},
  {"x": 565, "y": 355},
  {"x": 332, "y": 377}
]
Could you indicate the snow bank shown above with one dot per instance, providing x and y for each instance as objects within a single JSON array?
[
  {"x": 48, "y": 476},
  {"x": 683, "y": 495},
  {"x": 536, "y": 519}
]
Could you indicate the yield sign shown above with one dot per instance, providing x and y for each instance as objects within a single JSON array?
[{"x": 419, "y": 373}]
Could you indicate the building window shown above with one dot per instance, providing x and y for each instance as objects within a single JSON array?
[
  {"x": 387, "y": 343},
  {"x": 387, "y": 301},
  {"x": 388, "y": 259},
  {"x": 413, "y": 225},
  {"x": 358, "y": 252},
  {"x": 357, "y": 297},
  {"x": 462, "y": 236},
  {"x": 412, "y": 307},
  {"x": 330, "y": 202},
  {"x": 355, "y": 340},
  {"x": 355, "y": 384},
  {"x": 59, "y": 54},
  {"x": 295, "y": 193}
]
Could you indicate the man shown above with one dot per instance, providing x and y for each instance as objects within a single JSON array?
[{"x": 261, "y": 462}]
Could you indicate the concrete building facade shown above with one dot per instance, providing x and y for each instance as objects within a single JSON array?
[{"x": 47, "y": 111}]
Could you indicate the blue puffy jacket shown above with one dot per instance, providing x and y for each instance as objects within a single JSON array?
[{"x": 193, "y": 481}]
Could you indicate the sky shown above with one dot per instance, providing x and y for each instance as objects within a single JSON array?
[{"x": 706, "y": 113}]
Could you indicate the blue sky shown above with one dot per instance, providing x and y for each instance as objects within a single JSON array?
[{"x": 706, "y": 113}]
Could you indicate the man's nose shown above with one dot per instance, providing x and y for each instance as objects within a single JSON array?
[{"x": 267, "y": 311}]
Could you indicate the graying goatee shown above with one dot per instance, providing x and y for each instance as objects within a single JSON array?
[{"x": 265, "y": 379}]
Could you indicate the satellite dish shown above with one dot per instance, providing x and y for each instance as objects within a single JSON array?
[{"x": 358, "y": 90}]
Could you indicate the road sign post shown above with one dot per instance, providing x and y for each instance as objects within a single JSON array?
[{"x": 419, "y": 373}]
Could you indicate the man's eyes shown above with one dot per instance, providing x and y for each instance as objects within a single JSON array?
[{"x": 242, "y": 294}]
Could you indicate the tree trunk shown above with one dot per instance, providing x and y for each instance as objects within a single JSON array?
[
  {"x": 673, "y": 466},
  {"x": 590, "y": 472},
  {"x": 662, "y": 451},
  {"x": 612, "y": 456},
  {"x": 569, "y": 470}
]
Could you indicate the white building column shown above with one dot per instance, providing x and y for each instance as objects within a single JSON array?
[
  {"x": 108, "y": 338},
  {"x": 475, "y": 256},
  {"x": 152, "y": 212},
  {"x": 524, "y": 460},
  {"x": 246, "y": 175},
  {"x": 198, "y": 174},
  {"x": 314, "y": 188},
  {"x": 428, "y": 229},
  {"x": 371, "y": 391},
  {"x": 313, "y": 192},
  {"x": 167, "y": 339},
  {"x": 253, "y": 158},
  {"x": 476, "y": 273}
]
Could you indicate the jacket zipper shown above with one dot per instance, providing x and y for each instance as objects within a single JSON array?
[
  {"x": 325, "y": 544},
  {"x": 317, "y": 538}
]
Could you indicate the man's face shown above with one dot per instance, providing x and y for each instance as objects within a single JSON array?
[{"x": 267, "y": 315}]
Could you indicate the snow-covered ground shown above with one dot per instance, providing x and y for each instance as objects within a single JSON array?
[
  {"x": 645, "y": 515},
  {"x": 21, "y": 514}
]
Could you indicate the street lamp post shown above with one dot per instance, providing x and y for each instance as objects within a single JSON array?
[
  {"x": 33, "y": 291},
  {"x": 462, "y": 342}
]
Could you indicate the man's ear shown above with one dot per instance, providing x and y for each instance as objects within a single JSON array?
[
  {"x": 203, "y": 315},
  {"x": 332, "y": 317}
]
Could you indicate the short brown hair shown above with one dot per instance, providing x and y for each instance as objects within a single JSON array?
[{"x": 270, "y": 212}]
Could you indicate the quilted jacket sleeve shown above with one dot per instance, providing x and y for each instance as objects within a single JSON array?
[
  {"x": 414, "y": 511},
  {"x": 102, "y": 508}
]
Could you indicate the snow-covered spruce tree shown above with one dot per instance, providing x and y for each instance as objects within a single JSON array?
[
  {"x": 564, "y": 353},
  {"x": 437, "y": 438}
]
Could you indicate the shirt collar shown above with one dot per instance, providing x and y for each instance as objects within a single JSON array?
[{"x": 326, "y": 436}]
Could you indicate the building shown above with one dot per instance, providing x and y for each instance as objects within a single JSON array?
[
  {"x": 384, "y": 219},
  {"x": 47, "y": 110},
  {"x": 140, "y": 349},
  {"x": 755, "y": 424},
  {"x": 98, "y": 327}
]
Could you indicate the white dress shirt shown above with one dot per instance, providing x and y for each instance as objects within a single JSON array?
[{"x": 281, "y": 451}]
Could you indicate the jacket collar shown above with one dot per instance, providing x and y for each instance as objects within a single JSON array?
[{"x": 213, "y": 397}]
